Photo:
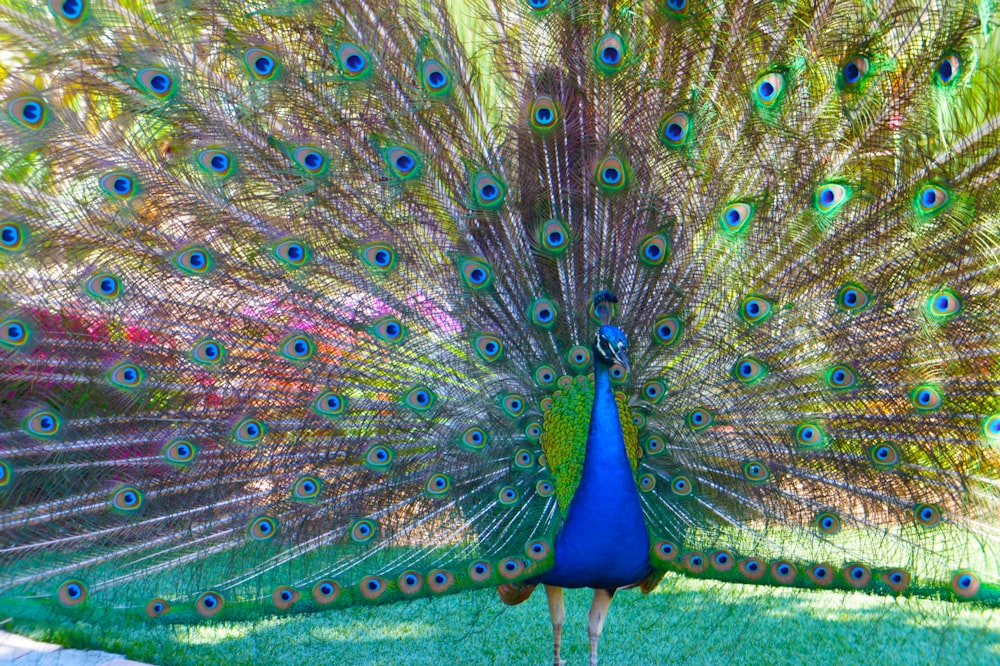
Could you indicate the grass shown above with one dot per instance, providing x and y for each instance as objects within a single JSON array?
[{"x": 689, "y": 621}]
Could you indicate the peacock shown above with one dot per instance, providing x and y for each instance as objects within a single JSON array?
[{"x": 315, "y": 303}]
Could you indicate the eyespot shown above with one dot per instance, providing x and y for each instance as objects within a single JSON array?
[
  {"x": 854, "y": 72},
  {"x": 884, "y": 455},
  {"x": 752, "y": 568},
  {"x": 828, "y": 523},
  {"x": 104, "y": 286},
  {"x": 508, "y": 495},
  {"x": 42, "y": 424},
  {"x": 263, "y": 528},
  {"x": 389, "y": 329},
  {"x": 373, "y": 587},
  {"x": 193, "y": 260},
  {"x": 480, "y": 571},
  {"x": 538, "y": 550},
  {"x": 474, "y": 438},
  {"x": 735, "y": 218},
  {"x": 681, "y": 486},
  {"x": 943, "y": 305},
  {"x": 654, "y": 390},
  {"x": 379, "y": 457},
  {"x": 475, "y": 273},
  {"x": 306, "y": 488},
  {"x": 12, "y": 236},
  {"x": 638, "y": 418},
  {"x": 127, "y": 500},
  {"x": 156, "y": 81},
  {"x": 438, "y": 485},
  {"x": 524, "y": 460},
  {"x": 353, "y": 60},
  {"x": 841, "y": 377},
  {"x": 665, "y": 551},
  {"x": 897, "y": 579},
  {"x": 489, "y": 347},
  {"x": 249, "y": 431},
  {"x": 420, "y": 399},
  {"x": 610, "y": 53},
  {"x": 654, "y": 445},
  {"x": 676, "y": 8},
  {"x": 71, "y": 11},
  {"x": 14, "y": 333},
  {"x": 157, "y": 607},
  {"x": 311, "y": 160},
  {"x": 857, "y": 575},
  {"x": 297, "y": 347},
  {"x": 965, "y": 584},
  {"x": 118, "y": 184},
  {"x": 852, "y": 297},
  {"x": 784, "y": 572},
  {"x": 544, "y": 114},
  {"x": 208, "y": 352},
  {"x": 126, "y": 375},
  {"x": 283, "y": 597},
  {"x": 440, "y": 580},
  {"x": 618, "y": 374},
  {"x": 216, "y": 162},
  {"x": 926, "y": 398},
  {"x": 647, "y": 482},
  {"x": 404, "y": 164},
  {"x": 578, "y": 357},
  {"x": 654, "y": 250},
  {"x": 722, "y": 561},
  {"x": 435, "y": 78},
  {"x": 28, "y": 111},
  {"x": 949, "y": 69},
  {"x": 293, "y": 252},
  {"x": 545, "y": 488},
  {"x": 511, "y": 568},
  {"x": 749, "y": 370},
  {"x": 553, "y": 237},
  {"x": 756, "y": 472},
  {"x": 810, "y": 436},
  {"x": 755, "y": 309},
  {"x": 262, "y": 64},
  {"x": 545, "y": 403},
  {"x": 667, "y": 330},
  {"x": 699, "y": 419},
  {"x": 768, "y": 89},
  {"x": 410, "y": 582},
  {"x": 378, "y": 256},
  {"x": 540, "y": 6},
  {"x": 545, "y": 376},
  {"x": 362, "y": 531},
  {"x": 209, "y": 604},
  {"x": 928, "y": 515},
  {"x": 330, "y": 404},
  {"x": 612, "y": 174},
  {"x": 831, "y": 196},
  {"x": 673, "y": 129},
  {"x": 512, "y": 404},
  {"x": 6, "y": 474},
  {"x": 821, "y": 574},
  {"x": 180, "y": 452},
  {"x": 488, "y": 191},
  {"x": 543, "y": 312},
  {"x": 694, "y": 562},
  {"x": 72, "y": 593},
  {"x": 325, "y": 592},
  {"x": 991, "y": 427},
  {"x": 932, "y": 199}
]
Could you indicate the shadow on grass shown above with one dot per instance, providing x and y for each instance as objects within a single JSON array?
[{"x": 684, "y": 621}]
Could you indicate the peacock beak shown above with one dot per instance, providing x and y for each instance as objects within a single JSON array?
[{"x": 621, "y": 358}]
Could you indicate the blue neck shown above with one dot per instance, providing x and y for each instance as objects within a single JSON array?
[{"x": 605, "y": 441}]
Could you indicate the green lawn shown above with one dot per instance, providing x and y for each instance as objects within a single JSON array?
[{"x": 684, "y": 621}]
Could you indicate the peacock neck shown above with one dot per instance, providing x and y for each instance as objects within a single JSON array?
[{"x": 605, "y": 440}]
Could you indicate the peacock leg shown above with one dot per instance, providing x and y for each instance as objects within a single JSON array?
[
  {"x": 557, "y": 610},
  {"x": 595, "y": 620}
]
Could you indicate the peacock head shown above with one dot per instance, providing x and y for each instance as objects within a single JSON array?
[{"x": 610, "y": 343}]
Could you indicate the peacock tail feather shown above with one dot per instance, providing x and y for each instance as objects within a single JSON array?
[{"x": 296, "y": 297}]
